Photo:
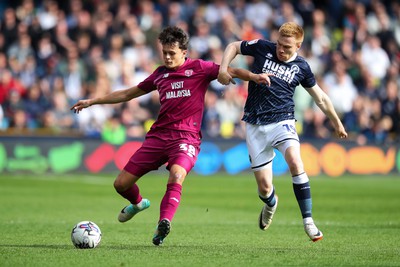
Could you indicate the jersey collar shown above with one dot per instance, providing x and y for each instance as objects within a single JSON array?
[{"x": 292, "y": 58}]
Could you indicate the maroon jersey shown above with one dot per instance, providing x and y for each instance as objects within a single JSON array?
[{"x": 182, "y": 93}]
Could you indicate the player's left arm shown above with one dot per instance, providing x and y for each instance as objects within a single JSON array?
[
  {"x": 246, "y": 75},
  {"x": 325, "y": 104}
]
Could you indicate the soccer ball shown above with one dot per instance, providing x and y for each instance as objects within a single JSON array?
[{"x": 86, "y": 234}]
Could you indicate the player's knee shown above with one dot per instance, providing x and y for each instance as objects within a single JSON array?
[
  {"x": 119, "y": 186},
  {"x": 295, "y": 166},
  {"x": 265, "y": 187},
  {"x": 296, "y": 170},
  {"x": 265, "y": 190},
  {"x": 177, "y": 177}
]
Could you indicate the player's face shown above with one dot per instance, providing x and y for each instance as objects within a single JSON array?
[
  {"x": 173, "y": 56},
  {"x": 286, "y": 47}
]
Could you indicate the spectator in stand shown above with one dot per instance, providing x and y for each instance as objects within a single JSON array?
[
  {"x": 59, "y": 117},
  {"x": 390, "y": 103},
  {"x": 21, "y": 49},
  {"x": 374, "y": 58},
  {"x": 19, "y": 122},
  {"x": 26, "y": 12},
  {"x": 381, "y": 124},
  {"x": 338, "y": 84},
  {"x": 9, "y": 84},
  {"x": 62, "y": 41},
  {"x": 75, "y": 6},
  {"x": 73, "y": 71},
  {"x": 91, "y": 122},
  {"x": 378, "y": 20},
  {"x": 201, "y": 42},
  {"x": 100, "y": 34},
  {"x": 114, "y": 60},
  {"x": 35, "y": 106},
  {"x": 287, "y": 13},
  {"x": 45, "y": 55},
  {"x": 9, "y": 28},
  {"x": 84, "y": 25},
  {"x": 133, "y": 117},
  {"x": 248, "y": 31},
  {"x": 211, "y": 123},
  {"x": 189, "y": 8},
  {"x": 48, "y": 14},
  {"x": 214, "y": 13},
  {"x": 306, "y": 10},
  {"x": 259, "y": 13},
  {"x": 350, "y": 119},
  {"x": 113, "y": 131},
  {"x": 14, "y": 103},
  {"x": 230, "y": 110},
  {"x": 28, "y": 74}
]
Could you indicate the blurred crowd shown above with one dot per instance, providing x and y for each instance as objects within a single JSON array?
[{"x": 55, "y": 52}]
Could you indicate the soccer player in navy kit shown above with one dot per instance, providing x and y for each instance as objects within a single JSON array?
[
  {"x": 270, "y": 120},
  {"x": 175, "y": 136}
]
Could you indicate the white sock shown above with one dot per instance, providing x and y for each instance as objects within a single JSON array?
[{"x": 308, "y": 220}]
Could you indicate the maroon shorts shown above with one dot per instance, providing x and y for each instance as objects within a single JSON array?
[{"x": 176, "y": 147}]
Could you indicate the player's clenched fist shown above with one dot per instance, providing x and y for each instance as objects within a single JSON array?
[{"x": 262, "y": 78}]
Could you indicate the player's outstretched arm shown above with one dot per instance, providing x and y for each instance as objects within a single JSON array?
[
  {"x": 325, "y": 104},
  {"x": 112, "y": 98},
  {"x": 230, "y": 53}
]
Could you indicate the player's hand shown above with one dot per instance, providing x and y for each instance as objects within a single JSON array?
[
  {"x": 341, "y": 132},
  {"x": 224, "y": 78},
  {"x": 263, "y": 78},
  {"x": 81, "y": 104}
]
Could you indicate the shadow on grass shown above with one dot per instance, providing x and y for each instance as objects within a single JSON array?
[
  {"x": 36, "y": 246},
  {"x": 69, "y": 247},
  {"x": 140, "y": 247}
]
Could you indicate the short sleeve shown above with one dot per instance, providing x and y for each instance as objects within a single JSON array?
[
  {"x": 309, "y": 78},
  {"x": 210, "y": 68},
  {"x": 148, "y": 83}
]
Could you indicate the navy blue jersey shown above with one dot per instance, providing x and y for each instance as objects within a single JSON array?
[{"x": 269, "y": 104}]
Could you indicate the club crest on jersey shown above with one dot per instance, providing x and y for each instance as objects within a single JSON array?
[
  {"x": 252, "y": 42},
  {"x": 295, "y": 69},
  {"x": 166, "y": 75},
  {"x": 188, "y": 73}
]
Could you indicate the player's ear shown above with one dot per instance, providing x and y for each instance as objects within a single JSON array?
[{"x": 298, "y": 45}]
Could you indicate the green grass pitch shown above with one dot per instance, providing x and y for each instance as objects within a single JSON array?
[{"x": 216, "y": 223}]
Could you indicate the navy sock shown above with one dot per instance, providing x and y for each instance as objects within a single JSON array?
[
  {"x": 271, "y": 200},
  {"x": 303, "y": 196}
]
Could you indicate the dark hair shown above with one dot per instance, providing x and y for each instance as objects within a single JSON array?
[{"x": 172, "y": 34}]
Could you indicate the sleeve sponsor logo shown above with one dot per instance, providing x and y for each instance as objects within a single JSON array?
[{"x": 252, "y": 42}]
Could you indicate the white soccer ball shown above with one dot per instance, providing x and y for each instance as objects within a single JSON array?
[{"x": 86, "y": 234}]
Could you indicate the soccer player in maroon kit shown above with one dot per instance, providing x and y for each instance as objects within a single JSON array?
[{"x": 175, "y": 136}]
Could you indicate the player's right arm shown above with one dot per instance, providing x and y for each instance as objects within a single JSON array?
[
  {"x": 246, "y": 75},
  {"x": 112, "y": 98},
  {"x": 230, "y": 53}
]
